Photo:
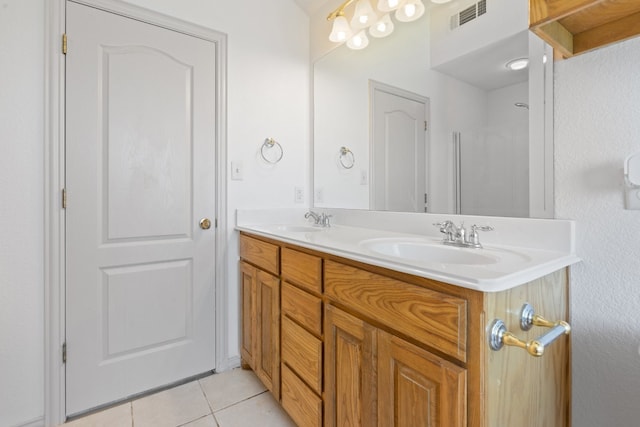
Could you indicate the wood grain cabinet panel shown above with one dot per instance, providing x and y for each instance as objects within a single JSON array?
[
  {"x": 304, "y": 308},
  {"x": 263, "y": 255},
  {"x": 420, "y": 389},
  {"x": 433, "y": 318},
  {"x": 303, "y": 353},
  {"x": 303, "y": 405},
  {"x": 350, "y": 370},
  {"x": 267, "y": 365},
  {"x": 302, "y": 269},
  {"x": 249, "y": 293}
]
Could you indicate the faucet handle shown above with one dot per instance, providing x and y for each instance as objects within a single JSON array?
[
  {"x": 474, "y": 239},
  {"x": 325, "y": 220},
  {"x": 443, "y": 225}
]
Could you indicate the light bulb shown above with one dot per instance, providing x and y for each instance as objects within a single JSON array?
[
  {"x": 341, "y": 30},
  {"x": 359, "y": 41},
  {"x": 410, "y": 11},
  {"x": 382, "y": 28},
  {"x": 389, "y": 5},
  {"x": 363, "y": 15}
]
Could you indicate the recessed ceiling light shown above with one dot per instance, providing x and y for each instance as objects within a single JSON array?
[{"x": 518, "y": 64}]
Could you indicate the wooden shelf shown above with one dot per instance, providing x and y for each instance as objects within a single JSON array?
[{"x": 573, "y": 27}]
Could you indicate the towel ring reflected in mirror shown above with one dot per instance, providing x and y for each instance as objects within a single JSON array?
[
  {"x": 347, "y": 158},
  {"x": 271, "y": 151}
]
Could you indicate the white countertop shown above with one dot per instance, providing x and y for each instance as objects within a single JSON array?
[{"x": 508, "y": 266}]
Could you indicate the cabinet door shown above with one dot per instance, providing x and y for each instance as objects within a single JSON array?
[
  {"x": 267, "y": 364},
  {"x": 249, "y": 289},
  {"x": 350, "y": 371},
  {"x": 417, "y": 388}
]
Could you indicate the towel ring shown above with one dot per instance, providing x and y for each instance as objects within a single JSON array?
[
  {"x": 347, "y": 158},
  {"x": 268, "y": 144}
]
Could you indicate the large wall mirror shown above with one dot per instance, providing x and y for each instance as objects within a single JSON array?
[{"x": 431, "y": 119}]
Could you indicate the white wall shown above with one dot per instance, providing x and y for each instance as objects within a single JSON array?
[
  {"x": 268, "y": 96},
  {"x": 21, "y": 208},
  {"x": 597, "y": 124}
]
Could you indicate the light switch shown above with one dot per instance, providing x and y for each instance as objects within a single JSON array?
[
  {"x": 236, "y": 171},
  {"x": 364, "y": 179}
]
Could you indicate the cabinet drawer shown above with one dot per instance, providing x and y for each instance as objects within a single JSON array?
[
  {"x": 302, "y": 269},
  {"x": 302, "y": 404},
  {"x": 302, "y": 352},
  {"x": 262, "y": 254},
  {"x": 433, "y": 318},
  {"x": 303, "y": 307}
]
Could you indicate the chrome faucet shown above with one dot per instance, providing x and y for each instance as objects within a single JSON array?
[
  {"x": 320, "y": 220},
  {"x": 458, "y": 236}
]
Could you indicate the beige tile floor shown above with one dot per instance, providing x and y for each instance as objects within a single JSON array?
[{"x": 230, "y": 399}]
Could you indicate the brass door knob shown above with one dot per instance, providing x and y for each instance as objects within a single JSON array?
[{"x": 205, "y": 223}]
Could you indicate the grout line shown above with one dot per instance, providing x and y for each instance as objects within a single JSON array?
[
  {"x": 131, "y": 411},
  {"x": 206, "y": 398},
  {"x": 193, "y": 421},
  {"x": 241, "y": 401}
]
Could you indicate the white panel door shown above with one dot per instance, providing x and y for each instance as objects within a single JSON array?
[
  {"x": 140, "y": 175},
  {"x": 398, "y": 155}
]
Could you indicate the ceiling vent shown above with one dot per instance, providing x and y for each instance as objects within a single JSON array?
[{"x": 469, "y": 14}]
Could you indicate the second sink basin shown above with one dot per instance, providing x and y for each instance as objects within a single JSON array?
[{"x": 429, "y": 252}]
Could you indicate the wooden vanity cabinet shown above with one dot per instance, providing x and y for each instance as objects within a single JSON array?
[
  {"x": 353, "y": 344},
  {"x": 260, "y": 349}
]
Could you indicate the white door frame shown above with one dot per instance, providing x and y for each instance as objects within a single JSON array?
[{"x": 54, "y": 173}]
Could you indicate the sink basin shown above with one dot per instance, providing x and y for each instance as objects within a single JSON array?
[
  {"x": 430, "y": 252},
  {"x": 297, "y": 228}
]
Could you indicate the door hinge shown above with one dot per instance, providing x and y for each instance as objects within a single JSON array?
[
  {"x": 64, "y": 198},
  {"x": 64, "y": 352},
  {"x": 64, "y": 43},
  {"x": 426, "y": 127}
]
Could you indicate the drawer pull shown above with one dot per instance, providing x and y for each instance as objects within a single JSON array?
[{"x": 500, "y": 336}]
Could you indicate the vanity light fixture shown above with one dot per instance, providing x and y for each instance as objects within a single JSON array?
[
  {"x": 383, "y": 27},
  {"x": 440, "y": 1},
  {"x": 364, "y": 15},
  {"x": 410, "y": 11},
  {"x": 388, "y": 5},
  {"x": 376, "y": 19},
  {"x": 518, "y": 64},
  {"x": 359, "y": 41},
  {"x": 341, "y": 30}
]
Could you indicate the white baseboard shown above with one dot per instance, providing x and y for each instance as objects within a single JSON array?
[{"x": 228, "y": 364}]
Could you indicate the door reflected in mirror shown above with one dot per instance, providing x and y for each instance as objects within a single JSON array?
[{"x": 481, "y": 146}]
